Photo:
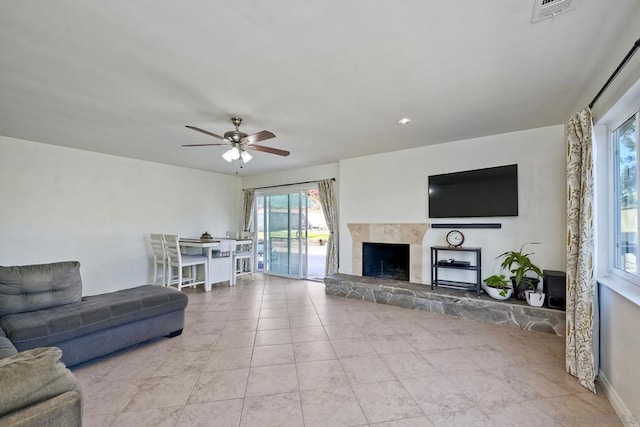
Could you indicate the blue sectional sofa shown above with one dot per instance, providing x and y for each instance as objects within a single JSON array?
[{"x": 42, "y": 306}]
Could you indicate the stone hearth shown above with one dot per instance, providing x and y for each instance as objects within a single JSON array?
[
  {"x": 411, "y": 234},
  {"x": 447, "y": 301}
]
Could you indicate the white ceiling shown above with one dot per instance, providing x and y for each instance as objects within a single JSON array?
[{"x": 330, "y": 78}]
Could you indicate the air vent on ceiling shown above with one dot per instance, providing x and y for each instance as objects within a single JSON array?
[{"x": 543, "y": 9}]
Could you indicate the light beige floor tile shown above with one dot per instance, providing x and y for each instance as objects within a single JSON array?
[
  {"x": 229, "y": 358},
  {"x": 310, "y": 333},
  {"x": 407, "y": 422},
  {"x": 161, "y": 417},
  {"x": 304, "y": 321},
  {"x": 273, "y": 336},
  {"x": 353, "y": 348},
  {"x": 312, "y": 351},
  {"x": 452, "y": 360},
  {"x": 296, "y": 310},
  {"x": 336, "y": 406},
  {"x": 276, "y": 410},
  {"x": 427, "y": 341},
  {"x": 212, "y": 316},
  {"x": 273, "y": 323},
  {"x": 338, "y": 332},
  {"x": 232, "y": 339},
  {"x": 437, "y": 394},
  {"x": 101, "y": 420},
  {"x": 244, "y": 314},
  {"x": 205, "y": 328},
  {"x": 519, "y": 414},
  {"x": 336, "y": 318},
  {"x": 392, "y": 344},
  {"x": 272, "y": 355},
  {"x": 274, "y": 379},
  {"x": 321, "y": 374},
  {"x": 529, "y": 384},
  {"x": 161, "y": 392},
  {"x": 386, "y": 401},
  {"x": 409, "y": 365},
  {"x": 473, "y": 417},
  {"x": 220, "y": 385},
  {"x": 531, "y": 367},
  {"x": 371, "y": 369},
  {"x": 182, "y": 363},
  {"x": 195, "y": 342},
  {"x": 225, "y": 413},
  {"x": 266, "y": 313},
  {"x": 241, "y": 325},
  {"x": 108, "y": 397},
  {"x": 274, "y": 303},
  {"x": 574, "y": 411}
]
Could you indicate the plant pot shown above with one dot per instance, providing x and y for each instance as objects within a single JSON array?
[
  {"x": 527, "y": 283},
  {"x": 534, "y": 299},
  {"x": 495, "y": 292}
]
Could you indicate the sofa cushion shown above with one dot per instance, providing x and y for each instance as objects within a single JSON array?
[
  {"x": 31, "y": 377},
  {"x": 95, "y": 313},
  {"x": 7, "y": 349},
  {"x": 34, "y": 287}
]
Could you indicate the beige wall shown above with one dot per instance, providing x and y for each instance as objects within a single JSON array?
[
  {"x": 61, "y": 204},
  {"x": 392, "y": 188}
]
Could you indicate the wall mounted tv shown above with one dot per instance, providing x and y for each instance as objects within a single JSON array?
[{"x": 475, "y": 193}]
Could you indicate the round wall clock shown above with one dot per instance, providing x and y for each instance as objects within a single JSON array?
[{"x": 455, "y": 238}]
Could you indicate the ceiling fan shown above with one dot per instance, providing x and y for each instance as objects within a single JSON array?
[{"x": 240, "y": 142}]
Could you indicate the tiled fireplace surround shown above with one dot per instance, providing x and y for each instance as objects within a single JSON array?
[{"x": 417, "y": 296}]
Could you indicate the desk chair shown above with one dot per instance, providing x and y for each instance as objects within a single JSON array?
[
  {"x": 243, "y": 256},
  {"x": 159, "y": 259},
  {"x": 189, "y": 262}
]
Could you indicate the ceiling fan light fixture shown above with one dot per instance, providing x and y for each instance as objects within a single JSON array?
[
  {"x": 227, "y": 156},
  {"x": 246, "y": 156},
  {"x": 234, "y": 153}
]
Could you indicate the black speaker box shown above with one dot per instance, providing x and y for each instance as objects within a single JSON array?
[{"x": 554, "y": 284}]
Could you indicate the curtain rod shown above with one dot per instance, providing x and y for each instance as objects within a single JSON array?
[
  {"x": 626, "y": 59},
  {"x": 286, "y": 185}
]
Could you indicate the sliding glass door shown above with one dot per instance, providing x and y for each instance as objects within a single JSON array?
[{"x": 283, "y": 234}]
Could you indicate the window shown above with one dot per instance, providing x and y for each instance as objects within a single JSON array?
[{"x": 625, "y": 139}]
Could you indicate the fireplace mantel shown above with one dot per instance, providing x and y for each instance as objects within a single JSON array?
[{"x": 409, "y": 233}]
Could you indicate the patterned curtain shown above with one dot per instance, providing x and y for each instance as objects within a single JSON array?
[
  {"x": 330, "y": 208},
  {"x": 581, "y": 283},
  {"x": 247, "y": 208}
]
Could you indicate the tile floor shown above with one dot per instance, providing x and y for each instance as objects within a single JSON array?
[{"x": 278, "y": 352}]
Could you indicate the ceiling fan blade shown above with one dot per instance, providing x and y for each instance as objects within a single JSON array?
[
  {"x": 268, "y": 150},
  {"x": 199, "y": 145},
  {"x": 204, "y": 131},
  {"x": 260, "y": 136}
]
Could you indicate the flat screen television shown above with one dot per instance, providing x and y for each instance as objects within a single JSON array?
[{"x": 475, "y": 193}]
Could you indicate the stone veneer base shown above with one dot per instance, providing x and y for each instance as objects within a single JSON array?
[{"x": 447, "y": 301}]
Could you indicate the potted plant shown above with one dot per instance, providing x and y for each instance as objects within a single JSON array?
[
  {"x": 526, "y": 275},
  {"x": 497, "y": 287}
]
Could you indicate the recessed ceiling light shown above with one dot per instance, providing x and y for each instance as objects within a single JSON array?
[{"x": 404, "y": 121}]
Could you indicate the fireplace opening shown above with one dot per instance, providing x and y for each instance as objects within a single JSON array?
[{"x": 385, "y": 260}]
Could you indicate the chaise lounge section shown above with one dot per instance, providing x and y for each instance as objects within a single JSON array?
[{"x": 42, "y": 306}]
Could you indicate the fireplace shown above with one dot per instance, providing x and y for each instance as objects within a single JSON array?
[
  {"x": 404, "y": 233},
  {"x": 386, "y": 260}
]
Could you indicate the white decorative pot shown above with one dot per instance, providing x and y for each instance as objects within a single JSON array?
[
  {"x": 534, "y": 299},
  {"x": 495, "y": 293}
]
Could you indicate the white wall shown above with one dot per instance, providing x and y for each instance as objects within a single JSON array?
[
  {"x": 392, "y": 187},
  {"x": 65, "y": 204},
  {"x": 311, "y": 173},
  {"x": 620, "y": 348}
]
